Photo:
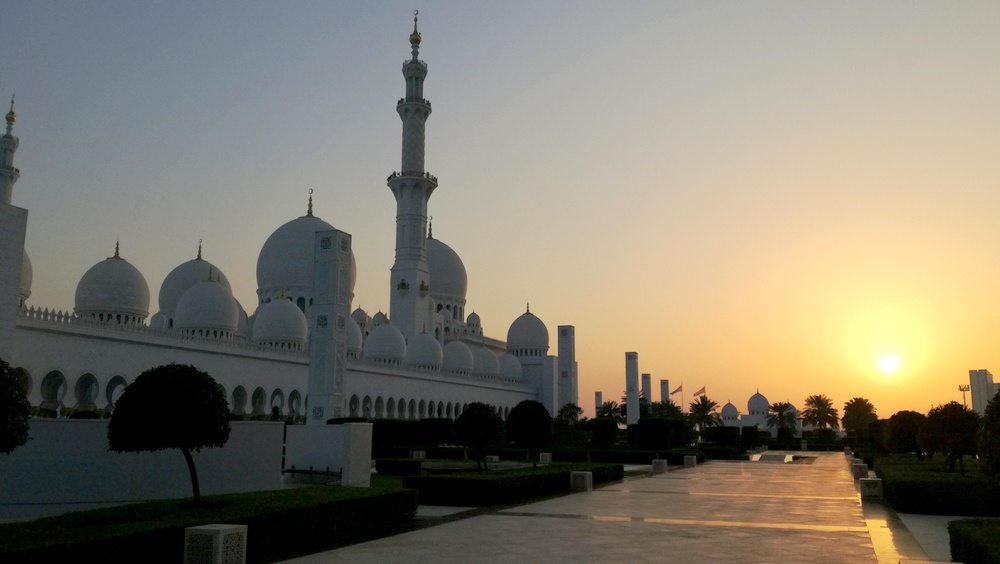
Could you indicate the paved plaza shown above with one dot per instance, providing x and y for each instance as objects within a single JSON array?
[{"x": 803, "y": 511}]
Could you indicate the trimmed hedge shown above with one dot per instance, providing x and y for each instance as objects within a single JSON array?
[
  {"x": 398, "y": 466},
  {"x": 492, "y": 488},
  {"x": 281, "y": 524},
  {"x": 911, "y": 486},
  {"x": 974, "y": 541}
]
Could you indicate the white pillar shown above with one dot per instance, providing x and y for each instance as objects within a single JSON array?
[
  {"x": 632, "y": 387},
  {"x": 327, "y": 325}
]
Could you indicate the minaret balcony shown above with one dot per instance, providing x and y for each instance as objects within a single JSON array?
[
  {"x": 416, "y": 100},
  {"x": 414, "y": 173}
]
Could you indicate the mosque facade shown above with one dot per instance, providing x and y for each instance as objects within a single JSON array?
[{"x": 426, "y": 358}]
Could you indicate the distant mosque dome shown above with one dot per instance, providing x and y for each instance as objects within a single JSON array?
[
  {"x": 183, "y": 278},
  {"x": 379, "y": 319},
  {"x": 208, "y": 309},
  {"x": 385, "y": 344},
  {"x": 281, "y": 324},
  {"x": 355, "y": 338},
  {"x": 113, "y": 291},
  {"x": 424, "y": 352},
  {"x": 473, "y": 320},
  {"x": 361, "y": 318},
  {"x": 757, "y": 404},
  {"x": 27, "y": 274},
  {"x": 527, "y": 336},
  {"x": 285, "y": 263},
  {"x": 510, "y": 367},
  {"x": 457, "y": 358},
  {"x": 729, "y": 412},
  {"x": 484, "y": 361},
  {"x": 449, "y": 281}
]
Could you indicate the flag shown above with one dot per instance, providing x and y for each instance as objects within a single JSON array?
[
  {"x": 700, "y": 392},
  {"x": 679, "y": 389}
]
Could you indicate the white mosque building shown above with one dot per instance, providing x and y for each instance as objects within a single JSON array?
[{"x": 427, "y": 358}]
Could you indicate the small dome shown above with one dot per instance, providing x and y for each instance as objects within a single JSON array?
[
  {"x": 27, "y": 274},
  {"x": 473, "y": 320},
  {"x": 729, "y": 411},
  {"x": 208, "y": 306},
  {"x": 424, "y": 351},
  {"x": 757, "y": 404},
  {"x": 484, "y": 361},
  {"x": 510, "y": 367},
  {"x": 280, "y": 321},
  {"x": 528, "y": 332},
  {"x": 354, "y": 337},
  {"x": 183, "y": 278},
  {"x": 379, "y": 319},
  {"x": 361, "y": 318},
  {"x": 285, "y": 262},
  {"x": 457, "y": 358},
  {"x": 449, "y": 281},
  {"x": 385, "y": 344},
  {"x": 113, "y": 287}
]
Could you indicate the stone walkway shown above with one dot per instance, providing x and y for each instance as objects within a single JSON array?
[{"x": 804, "y": 511}]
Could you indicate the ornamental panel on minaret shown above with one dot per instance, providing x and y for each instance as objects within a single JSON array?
[{"x": 410, "y": 305}]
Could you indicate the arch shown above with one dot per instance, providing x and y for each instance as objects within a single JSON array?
[
  {"x": 278, "y": 399},
  {"x": 116, "y": 386},
  {"x": 86, "y": 391},
  {"x": 440, "y": 410},
  {"x": 353, "y": 406},
  {"x": 390, "y": 409},
  {"x": 294, "y": 404},
  {"x": 448, "y": 411},
  {"x": 423, "y": 409},
  {"x": 430, "y": 408},
  {"x": 412, "y": 409},
  {"x": 379, "y": 408},
  {"x": 506, "y": 412},
  {"x": 366, "y": 407},
  {"x": 401, "y": 409},
  {"x": 258, "y": 402},
  {"x": 239, "y": 403},
  {"x": 301, "y": 302},
  {"x": 53, "y": 391}
]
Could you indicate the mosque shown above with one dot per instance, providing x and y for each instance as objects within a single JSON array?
[{"x": 425, "y": 359}]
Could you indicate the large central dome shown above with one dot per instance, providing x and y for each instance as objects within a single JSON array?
[{"x": 285, "y": 263}]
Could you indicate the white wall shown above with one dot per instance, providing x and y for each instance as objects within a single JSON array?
[{"x": 67, "y": 461}]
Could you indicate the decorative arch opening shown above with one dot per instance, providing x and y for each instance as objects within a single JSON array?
[
  {"x": 423, "y": 409},
  {"x": 448, "y": 411},
  {"x": 277, "y": 403},
  {"x": 366, "y": 407},
  {"x": 53, "y": 391},
  {"x": 294, "y": 404},
  {"x": 430, "y": 408},
  {"x": 113, "y": 391},
  {"x": 239, "y": 403},
  {"x": 86, "y": 391},
  {"x": 412, "y": 410},
  {"x": 258, "y": 402},
  {"x": 354, "y": 406},
  {"x": 390, "y": 408}
]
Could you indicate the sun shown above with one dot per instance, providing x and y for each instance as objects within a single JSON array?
[{"x": 889, "y": 364}]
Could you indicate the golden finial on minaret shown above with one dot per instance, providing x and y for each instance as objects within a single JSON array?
[
  {"x": 415, "y": 36},
  {"x": 309, "y": 212},
  {"x": 11, "y": 118}
]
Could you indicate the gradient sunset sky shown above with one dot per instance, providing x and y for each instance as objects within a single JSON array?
[{"x": 770, "y": 195}]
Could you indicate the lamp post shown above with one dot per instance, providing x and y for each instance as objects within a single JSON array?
[{"x": 964, "y": 388}]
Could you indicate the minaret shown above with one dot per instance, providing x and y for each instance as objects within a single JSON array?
[
  {"x": 410, "y": 305},
  {"x": 8, "y": 145}
]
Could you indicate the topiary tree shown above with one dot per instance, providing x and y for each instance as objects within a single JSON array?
[
  {"x": 529, "y": 425},
  {"x": 951, "y": 429},
  {"x": 569, "y": 426},
  {"x": 171, "y": 406},
  {"x": 478, "y": 427},
  {"x": 15, "y": 411},
  {"x": 989, "y": 437},
  {"x": 901, "y": 432}
]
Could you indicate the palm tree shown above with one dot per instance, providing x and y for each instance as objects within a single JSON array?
[
  {"x": 781, "y": 415},
  {"x": 666, "y": 409},
  {"x": 858, "y": 414},
  {"x": 703, "y": 414},
  {"x": 819, "y": 412},
  {"x": 610, "y": 410}
]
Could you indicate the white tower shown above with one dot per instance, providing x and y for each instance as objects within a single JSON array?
[
  {"x": 410, "y": 305},
  {"x": 664, "y": 390},
  {"x": 647, "y": 388},
  {"x": 567, "y": 366},
  {"x": 632, "y": 387},
  {"x": 13, "y": 225}
]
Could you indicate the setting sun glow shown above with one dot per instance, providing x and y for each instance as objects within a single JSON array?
[{"x": 889, "y": 364}]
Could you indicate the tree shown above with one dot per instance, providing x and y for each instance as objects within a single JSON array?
[
  {"x": 989, "y": 437},
  {"x": 568, "y": 426},
  {"x": 15, "y": 411},
  {"x": 819, "y": 412},
  {"x": 703, "y": 414},
  {"x": 781, "y": 415},
  {"x": 171, "y": 406},
  {"x": 901, "y": 432},
  {"x": 479, "y": 427},
  {"x": 611, "y": 410},
  {"x": 858, "y": 414},
  {"x": 666, "y": 409},
  {"x": 950, "y": 429},
  {"x": 643, "y": 406},
  {"x": 529, "y": 426}
]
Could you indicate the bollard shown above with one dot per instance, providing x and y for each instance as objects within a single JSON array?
[
  {"x": 871, "y": 488},
  {"x": 659, "y": 466},
  {"x": 215, "y": 544},
  {"x": 545, "y": 457},
  {"x": 690, "y": 461},
  {"x": 581, "y": 481}
]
